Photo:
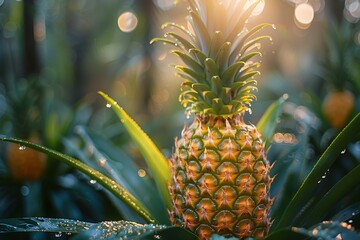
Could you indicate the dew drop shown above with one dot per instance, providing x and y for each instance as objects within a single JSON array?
[
  {"x": 22, "y": 147},
  {"x": 108, "y": 105},
  {"x": 102, "y": 162},
  {"x": 25, "y": 190},
  {"x": 319, "y": 181},
  {"x": 115, "y": 103},
  {"x": 141, "y": 173},
  {"x": 273, "y": 26},
  {"x": 59, "y": 234},
  {"x": 92, "y": 181},
  {"x": 350, "y": 221},
  {"x": 343, "y": 151}
]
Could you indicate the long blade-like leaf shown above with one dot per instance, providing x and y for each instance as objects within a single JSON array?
[
  {"x": 154, "y": 158},
  {"x": 346, "y": 185},
  {"x": 269, "y": 119},
  {"x": 40, "y": 224},
  {"x": 107, "y": 230},
  {"x": 114, "y": 187},
  {"x": 349, "y": 133},
  {"x": 115, "y": 230}
]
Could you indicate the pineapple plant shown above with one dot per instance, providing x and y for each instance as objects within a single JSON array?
[
  {"x": 220, "y": 171},
  {"x": 23, "y": 100},
  {"x": 339, "y": 102}
]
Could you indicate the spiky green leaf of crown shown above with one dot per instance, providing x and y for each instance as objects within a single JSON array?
[{"x": 217, "y": 50}]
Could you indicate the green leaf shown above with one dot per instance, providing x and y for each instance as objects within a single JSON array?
[
  {"x": 216, "y": 43},
  {"x": 343, "y": 187},
  {"x": 115, "y": 230},
  {"x": 156, "y": 161},
  {"x": 115, "y": 163},
  {"x": 200, "y": 31},
  {"x": 195, "y": 76},
  {"x": 185, "y": 43},
  {"x": 189, "y": 61},
  {"x": 348, "y": 134},
  {"x": 39, "y": 224},
  {"x": 222, "y": 57},
  {"x": 329, "y": 230},
  {"x": 118, "y": 190},
  {"x": 285, "y": 234},
  {"x": 269, "y": 119},
  {"x": 107, "y": 230},
  {"x": 229, "y": 74}
]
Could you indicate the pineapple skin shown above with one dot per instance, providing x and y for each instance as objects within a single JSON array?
[{"x": 220, "y": 179}]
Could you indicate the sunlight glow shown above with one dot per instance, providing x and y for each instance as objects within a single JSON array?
[
  {"x": 127, "y": 21},
  {"x": 258, "y": 9},
  {"x": 304, "y": 15},
  {"x": 165, "y": 4}
]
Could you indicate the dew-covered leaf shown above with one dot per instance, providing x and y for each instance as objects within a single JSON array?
[
  {"x": 118, "y": 190},
  {"x": 152, "y": 155},
  {"x": 343, "y": 187},
  {"x": 114, "y": 230},
  {"x": 39, "y": 224},
  {"x": 348, "y": 134},
  {"x": 115, "y": 163},
  {"x": 330, "y": 230}
]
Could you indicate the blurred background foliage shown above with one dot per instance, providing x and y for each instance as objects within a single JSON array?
[{"x": 56, "y": 55}]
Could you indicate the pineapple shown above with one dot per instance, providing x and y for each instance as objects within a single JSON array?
[{"x": 220, "y": 170}]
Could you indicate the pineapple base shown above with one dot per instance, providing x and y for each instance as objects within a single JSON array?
[{"x": 220, "y": 179}]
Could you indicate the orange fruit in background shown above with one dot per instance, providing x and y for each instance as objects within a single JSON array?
[
  {"x": 337, "y": 107},
  {"x": 25, "y": 164}
]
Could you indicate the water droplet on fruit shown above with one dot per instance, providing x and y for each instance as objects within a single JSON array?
[{"x": 22, "y": 147}]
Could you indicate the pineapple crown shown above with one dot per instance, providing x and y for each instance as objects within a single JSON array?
[{"x": 217, "y": 51}]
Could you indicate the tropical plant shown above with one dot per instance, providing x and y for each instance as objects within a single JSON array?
[{"x": 307, "y": 215}]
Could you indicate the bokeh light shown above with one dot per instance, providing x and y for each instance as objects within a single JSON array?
[
  {"x": 318, "y": 5},
  {"x": 352, "y": 10},
  {"x": 127, "y": 21},
  {"x": 304, "y": 15},
  {"x": 165, "y": 4}
]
